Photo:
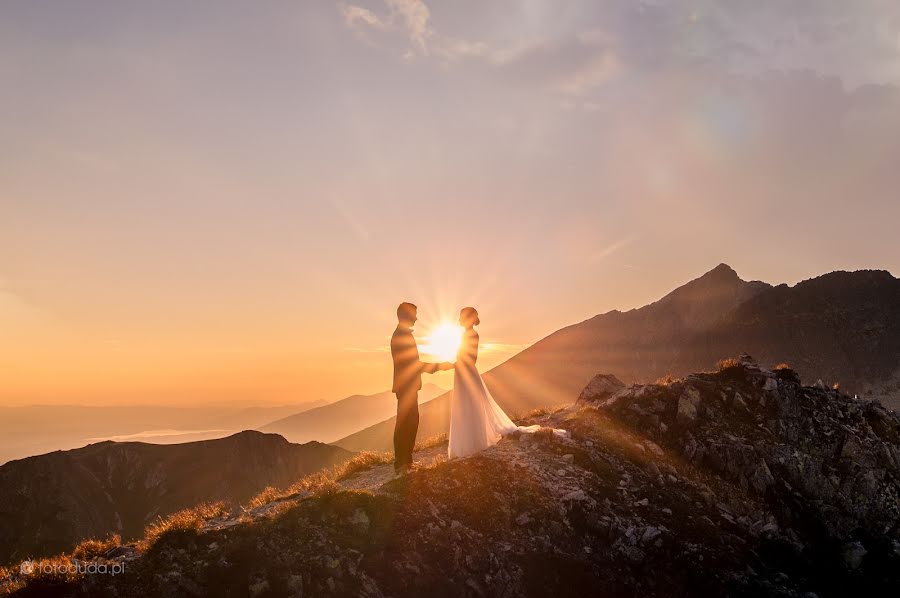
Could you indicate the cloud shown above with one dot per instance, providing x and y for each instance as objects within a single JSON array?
[
  {"x": 609, "y": 250},
  {"x": 412, "y": 20},
  {"x": 415, "y": 17},
  {"x": 358, "y": 17},
  {"x": 409, "y": 16},
  {"x": 571, "y": 65}
]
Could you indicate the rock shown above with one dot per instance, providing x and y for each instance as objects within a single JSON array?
[
  {"x": 259, "y": 587},
  {"x": 577, "y": 495},
  {"x": 601, "y": 387},
  {"x": 650, "y": 534},
  {"x": 771, "y": 385},
  {"x": 570, "y": 458},
  {"x": 654, "y": 448},
  {"x": 360, "y": 519},
  {"x": 523, "y": 519},
  {"x": 738, "y": 402},
  {"x": 853, "y": 553},
  {"x": 687, "y": 407},
  {"x": 633, "y": 554},
  {"x": 761, "y": 478},
  {"x": 295, "y": 585}
]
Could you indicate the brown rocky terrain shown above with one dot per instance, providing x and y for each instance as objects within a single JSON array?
[{"x": 742, "y": 482}]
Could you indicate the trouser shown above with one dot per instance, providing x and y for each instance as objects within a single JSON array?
[{"x": 406, "y": 427}]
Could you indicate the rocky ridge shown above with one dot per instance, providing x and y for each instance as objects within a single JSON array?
[{"x": 740, "y": 482}]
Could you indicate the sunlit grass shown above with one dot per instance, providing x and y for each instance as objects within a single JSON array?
[
  {"x": 185, "y": 521},
  {"x": 93, "y": 548}
]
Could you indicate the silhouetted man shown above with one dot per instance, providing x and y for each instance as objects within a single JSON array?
[{"x": 407, "y": 382}]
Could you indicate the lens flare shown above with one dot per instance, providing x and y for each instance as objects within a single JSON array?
[{"x": 443, "y": 342}]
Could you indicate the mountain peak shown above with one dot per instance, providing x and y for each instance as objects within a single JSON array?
[
  {"x": 721, "y": 283},
  {"x": 722, "y": 271}
]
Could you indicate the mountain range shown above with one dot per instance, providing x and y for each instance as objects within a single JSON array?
[
  {"x": 36, "y": 429},
  {"x": 50, "y": 502},
  {"x": 842, "y": 327},
  {"x": 336, "y": 420}
]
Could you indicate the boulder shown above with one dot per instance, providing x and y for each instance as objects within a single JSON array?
[{"x": 600, "y": 388}]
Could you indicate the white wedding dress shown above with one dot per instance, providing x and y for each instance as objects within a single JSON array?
[{"x": 476, "y": 421}]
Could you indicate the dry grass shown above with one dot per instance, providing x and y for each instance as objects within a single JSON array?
[
  {"x": 727, "y": 364},
  {"x": 8, "y": 581},
  {"x": 50, "y": 570},
  {"x": 361, "y": 462},
  {"x": 537, "y": 412},
  {"x": 91, "y": 549},
  {"x": 185, "y": 521},
  {"x": 836, "y": 386},
  {"x": 666, "y": 380},
  {"x": 431, "y": 442},
  {"x": 782, "y": 366},
  {"x": 268, "y": 495},
  {"x": 323, "y": 482},
  {"x": 540, "y": 411}
]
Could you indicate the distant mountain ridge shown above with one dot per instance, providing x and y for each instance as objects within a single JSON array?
[
  {"x": 37, "y": 429},
  {"x": 843, "y": 327},
  {"x": 50, "y": 502},
  {"x": 336, "y": 420}
]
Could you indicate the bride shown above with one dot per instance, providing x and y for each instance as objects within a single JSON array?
[{"x": 476, "y": 421}]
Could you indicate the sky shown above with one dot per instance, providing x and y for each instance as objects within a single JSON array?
[{"x": 225, "y": 201}]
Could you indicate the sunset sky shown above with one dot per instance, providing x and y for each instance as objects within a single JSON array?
[{"x": 225, "y": 201}]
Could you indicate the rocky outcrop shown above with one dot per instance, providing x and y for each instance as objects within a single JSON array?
[
  {"x": 736, "y": 483},
  {"x": 828, "y": 463}
]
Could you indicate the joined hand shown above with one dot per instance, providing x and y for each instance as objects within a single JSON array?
[{"x": 446, "y": 366}]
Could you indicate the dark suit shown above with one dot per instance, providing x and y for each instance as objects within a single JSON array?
[{"x": 407, "y": 382}]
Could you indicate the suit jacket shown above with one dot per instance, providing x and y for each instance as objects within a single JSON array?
[{"x": 407, "y": 366}]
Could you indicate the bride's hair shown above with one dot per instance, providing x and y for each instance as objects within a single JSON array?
[{"x": 469, "y": 315}]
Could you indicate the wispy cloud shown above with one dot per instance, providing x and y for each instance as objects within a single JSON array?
[
  {"x": 409, "y": 16},
  {"x": 358, "y": 17},
  {"x": 412, "y": 19},
  {"x": 610, "y": 249},
  {"x": 573, "y": 65},
  {"x": 415, "y": 16}
]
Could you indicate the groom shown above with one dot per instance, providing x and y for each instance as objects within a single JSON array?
[{"x": 407, "y": 382}]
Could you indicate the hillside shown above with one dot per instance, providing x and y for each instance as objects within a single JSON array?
[
  {"x": 737, "y": 483},
  {"x": 50, "y": 502},
  {"x": 842, "y": 327},
  {"x": 336, "y": 420}
]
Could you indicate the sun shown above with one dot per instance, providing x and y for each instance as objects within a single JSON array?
[{"x": 443, "y": 341}]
